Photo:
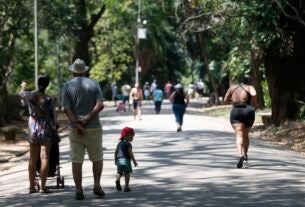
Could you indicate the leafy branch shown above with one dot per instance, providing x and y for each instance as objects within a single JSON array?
[{"x": 296, "y": 15}]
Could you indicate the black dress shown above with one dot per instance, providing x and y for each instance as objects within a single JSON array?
[{"x": 243, "y": 112}]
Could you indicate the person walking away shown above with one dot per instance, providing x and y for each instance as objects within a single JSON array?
[
  {"x": 123, "y": 156},
  {"x": 179, "y": 101},
  {"x": 136, "y": 95},
  {"x": 114, "y": 91},
  {"x": 125, "y": 89},
  {"x": 146, "y": 91},
  {"x": 153, "y": 86},
  {"x": 168, "y": 89},
  {"x": 82, "y": 101},
  {"x": 41, "y": 125},
  {"x": 244, "y": 103},
  {"x": 158, "y": 97},
  {"x": 190, "y": 90},
  {"x": 199, "y": 89}
]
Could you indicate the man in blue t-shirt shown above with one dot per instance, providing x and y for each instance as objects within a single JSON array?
[{"x": 158, "y": 97}]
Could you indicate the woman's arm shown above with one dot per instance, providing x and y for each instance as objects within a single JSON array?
[
  {"x": 171, "y": 98},
  {"x": 227, "y": 98},
  {"x": 254, "y": 101}
]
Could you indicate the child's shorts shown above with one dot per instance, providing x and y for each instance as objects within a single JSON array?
[{"x": 124, "y": 166}]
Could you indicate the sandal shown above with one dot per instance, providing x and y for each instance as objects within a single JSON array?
[
  {"x": 46, "y": 190},
  {"x": 33, "y": 190},
  {"x": 98, "y": 191}
]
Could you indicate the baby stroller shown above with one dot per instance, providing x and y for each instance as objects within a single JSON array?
[
  {"x": 54, "y": 167},
  {"x": 121, "y": 105}
]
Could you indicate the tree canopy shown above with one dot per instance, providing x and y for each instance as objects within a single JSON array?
[{"x": 187, "y": 40}]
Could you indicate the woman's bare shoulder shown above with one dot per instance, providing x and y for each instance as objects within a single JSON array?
[{"x": 251, "y": 90}]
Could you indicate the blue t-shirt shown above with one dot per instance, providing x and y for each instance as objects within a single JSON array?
[
  {"x": 122, "y": 150},
  {"x": 80, "y": 95},
  {"x": 158, "y": 95}
]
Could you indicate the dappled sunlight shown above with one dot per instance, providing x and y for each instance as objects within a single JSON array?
[{"x": 195, "y": 167}]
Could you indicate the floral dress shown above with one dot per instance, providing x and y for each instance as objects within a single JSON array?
[{"x": 41, "y": 123}]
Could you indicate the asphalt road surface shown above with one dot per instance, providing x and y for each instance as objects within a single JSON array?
[{"x": 196, "y": 167}]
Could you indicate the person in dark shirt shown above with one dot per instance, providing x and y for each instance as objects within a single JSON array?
[
  {"x": 180, "y": 100},
  {"x": 123, "y": 156}
]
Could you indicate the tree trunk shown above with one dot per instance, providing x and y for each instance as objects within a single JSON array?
[
  {"x": 285, "y": 76},
  {"x": 206, "y": 63},
  {"x": 86, "y": 32},
  {"x": 5, "y": 70},
  {"x": 3, "y": 105},
  {"x": 285, "y": 65},
  {"x": 256, "y": 77}
]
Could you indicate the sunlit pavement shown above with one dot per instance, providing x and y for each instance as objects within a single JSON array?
[{"x": 196, "y": 167}]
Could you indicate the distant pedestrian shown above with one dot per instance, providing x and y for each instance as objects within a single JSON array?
[
  {"x": 244, "y": 101},
  {"x": 42, "y": 124},
  {"x": 199, "y": 88},
  {"x": 136, "y": 95},
  {"x": 125, "y": 89},
  {"x": 123, "y": 156},
  {"x": 168, "y": 89},
  {"x": 158, "y": 97},
  {"x": 146, "y": 89},
  {"x": 180, "y": 100},
  {"x": 82, "y": 101},
  {"x": 153, "y": 86},
  {"x": 114, "y": 92},
  {"x": 190, "y": 90}
]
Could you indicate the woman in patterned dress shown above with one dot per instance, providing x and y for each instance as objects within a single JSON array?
[{"x": 41, "y": 125}]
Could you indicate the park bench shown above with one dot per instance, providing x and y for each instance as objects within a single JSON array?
[{"x": 9, "y": 132}]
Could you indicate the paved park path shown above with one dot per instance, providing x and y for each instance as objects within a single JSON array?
[{"x": 196, "y": 167}]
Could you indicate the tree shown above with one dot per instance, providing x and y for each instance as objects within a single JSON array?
[
  {"x": 285, "y": 62},
  {"x": 14, "y": 22}
]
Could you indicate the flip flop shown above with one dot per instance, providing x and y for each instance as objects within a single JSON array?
[
  {"x": 98, "y": 191},
  {"x": 45, "y": 191}
]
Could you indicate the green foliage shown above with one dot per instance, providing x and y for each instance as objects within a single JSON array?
[
  {"x": 238, "y": 63},
  {"x": 302, "y": 111},
  {"x": 266, "y": 94}
]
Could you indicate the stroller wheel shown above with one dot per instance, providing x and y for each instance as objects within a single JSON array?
[
  {"x": 37, "y": 185},
  {"x": 57, "y": 182},
  {"x": 62, "y": 182}
]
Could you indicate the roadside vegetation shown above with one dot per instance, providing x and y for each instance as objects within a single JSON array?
[{"x": 186, "y": 40}]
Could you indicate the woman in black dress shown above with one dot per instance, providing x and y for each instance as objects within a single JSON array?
[{"x": 244, "y": 103}]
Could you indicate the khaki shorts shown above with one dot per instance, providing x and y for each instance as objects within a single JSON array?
[{"x": 92, "y": 141}]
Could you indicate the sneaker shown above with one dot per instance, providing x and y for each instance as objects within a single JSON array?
[
  {"x": 241, "y": 162},
  {"x": 79, "y": 196},
  {"x": 127, "y": 189},
  {"x": 118, "y": 185},
  {"x": 98, "y": 191}
]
